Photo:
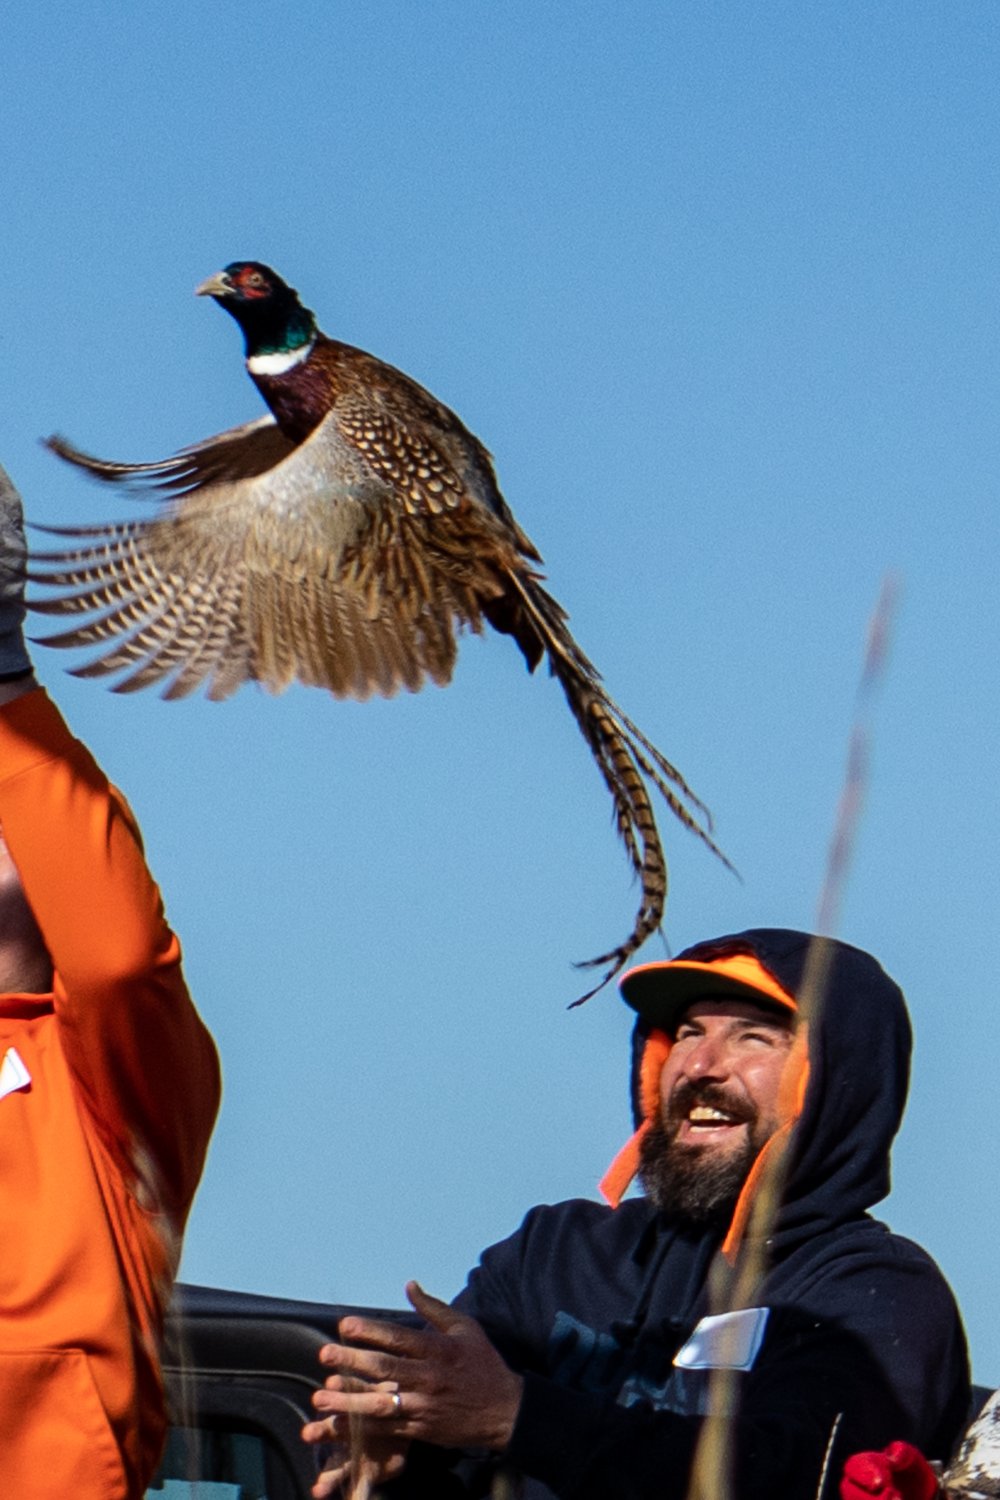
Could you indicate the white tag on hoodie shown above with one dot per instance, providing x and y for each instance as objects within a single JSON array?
[
  {"x": 13, "y": 1074},
  {"x": 728, "y": 1341}
]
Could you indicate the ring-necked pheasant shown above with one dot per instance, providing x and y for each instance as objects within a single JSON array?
[{"x": 343, "y": 541}]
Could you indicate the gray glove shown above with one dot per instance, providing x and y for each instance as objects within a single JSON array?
[{"x": 14, "y": 659}]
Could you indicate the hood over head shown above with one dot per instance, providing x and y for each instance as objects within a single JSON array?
[{"x": 858, "y": 1065}]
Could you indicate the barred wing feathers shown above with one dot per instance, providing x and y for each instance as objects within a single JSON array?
[
  {"x": 299, "y": 572},
  {"x": 270, "y": 562},
  {"x": 239, "y": 453}
]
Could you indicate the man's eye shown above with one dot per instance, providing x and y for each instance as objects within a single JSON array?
[{"x": 759, "y": 1036}]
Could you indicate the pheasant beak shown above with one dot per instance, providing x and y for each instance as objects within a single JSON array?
[{"x": 218, "y": 285}]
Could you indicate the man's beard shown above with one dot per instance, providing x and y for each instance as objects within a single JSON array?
[{"x": 696, "y": 1185}]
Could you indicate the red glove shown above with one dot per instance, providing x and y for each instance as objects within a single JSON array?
[{"x": 899, "y": 1472}]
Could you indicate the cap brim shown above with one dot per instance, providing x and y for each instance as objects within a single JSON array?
[{"x": 661, "y": 992}]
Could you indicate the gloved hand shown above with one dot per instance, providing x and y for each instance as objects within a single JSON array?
[
  {"x": 14, "y": 659},
  {"x": 899, "y": 1472}
]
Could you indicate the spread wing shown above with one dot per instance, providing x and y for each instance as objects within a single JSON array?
[
  {"x": 239, "y": 453},
  {"x": 308, "y": 570},
  {"x": 349, "y": 562}
]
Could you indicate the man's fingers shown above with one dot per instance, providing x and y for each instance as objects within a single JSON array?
[
  {"x": 364, "y": 1364},
  {"x": 338, "y": 1465},
  {"x": 362, "y": 1471},
  {"x": 383, "y": 1400},
  {"x": 330, "y": 1480},
  {"x": 439, "y": 1314},
  {"x": 323, "y": 1431},
  {"x": 395, "y": 1338},
  {"x": 392, "y": 1338}
]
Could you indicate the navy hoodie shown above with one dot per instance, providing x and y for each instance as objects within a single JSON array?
[{"x": 861, "y": 1342}]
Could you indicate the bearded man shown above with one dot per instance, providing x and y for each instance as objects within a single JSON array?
[{"x": 579, "y": 1355}]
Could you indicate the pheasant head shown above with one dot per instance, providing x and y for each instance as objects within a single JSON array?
[{"x": 268, "y": 310}]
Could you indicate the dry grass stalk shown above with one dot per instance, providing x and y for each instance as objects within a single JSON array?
[{"x": 712, "y": 1471}]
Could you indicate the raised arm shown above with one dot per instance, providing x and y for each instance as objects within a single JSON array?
[{"x": 145, "y": 1066}]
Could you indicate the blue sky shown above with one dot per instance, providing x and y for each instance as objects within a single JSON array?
[{"x": 716, "y": 284}]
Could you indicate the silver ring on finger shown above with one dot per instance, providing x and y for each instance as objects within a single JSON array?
[{"x": 397, "y": 1404}]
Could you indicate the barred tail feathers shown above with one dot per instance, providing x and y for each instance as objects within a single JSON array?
[
  {"x": 636, "y": 822},
  {"x": 628, "y": 763}
]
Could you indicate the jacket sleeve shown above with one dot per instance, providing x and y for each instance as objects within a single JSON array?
[{"x": 145, "y": 1065}]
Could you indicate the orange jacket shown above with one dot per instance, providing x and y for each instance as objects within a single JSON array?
[{"x": 109, "y": 1088}]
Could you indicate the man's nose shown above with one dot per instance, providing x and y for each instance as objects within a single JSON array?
[{"x": 708, "y": 1058}]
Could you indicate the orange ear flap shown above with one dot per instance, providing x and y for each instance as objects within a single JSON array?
[
  {"x": 791, "y": 1098},
  {"x": 795, "y": 1075},
  {"x": 654, "y": 1055},
  {"x": 619, "y": 1177},
  {"x": 744, "y": 1203}
]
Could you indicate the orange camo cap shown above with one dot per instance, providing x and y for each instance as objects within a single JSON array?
[{"x": 661, "y": 991}]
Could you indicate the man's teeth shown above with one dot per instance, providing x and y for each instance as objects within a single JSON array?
[{"x": 703, "y": 1114}]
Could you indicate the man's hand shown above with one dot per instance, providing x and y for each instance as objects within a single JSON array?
[
  {"x": 14, "y": 660},
  {"x": 361, "y": 1459},
  {"x": 444, "y": 1384}
]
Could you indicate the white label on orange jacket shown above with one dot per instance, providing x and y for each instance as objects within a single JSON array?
[
  {"x": 13, "y": 1074},
  {"x": 729, "y": 1341}
]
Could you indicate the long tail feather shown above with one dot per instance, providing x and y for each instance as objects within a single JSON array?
[{"x": 629, "y": 764}]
